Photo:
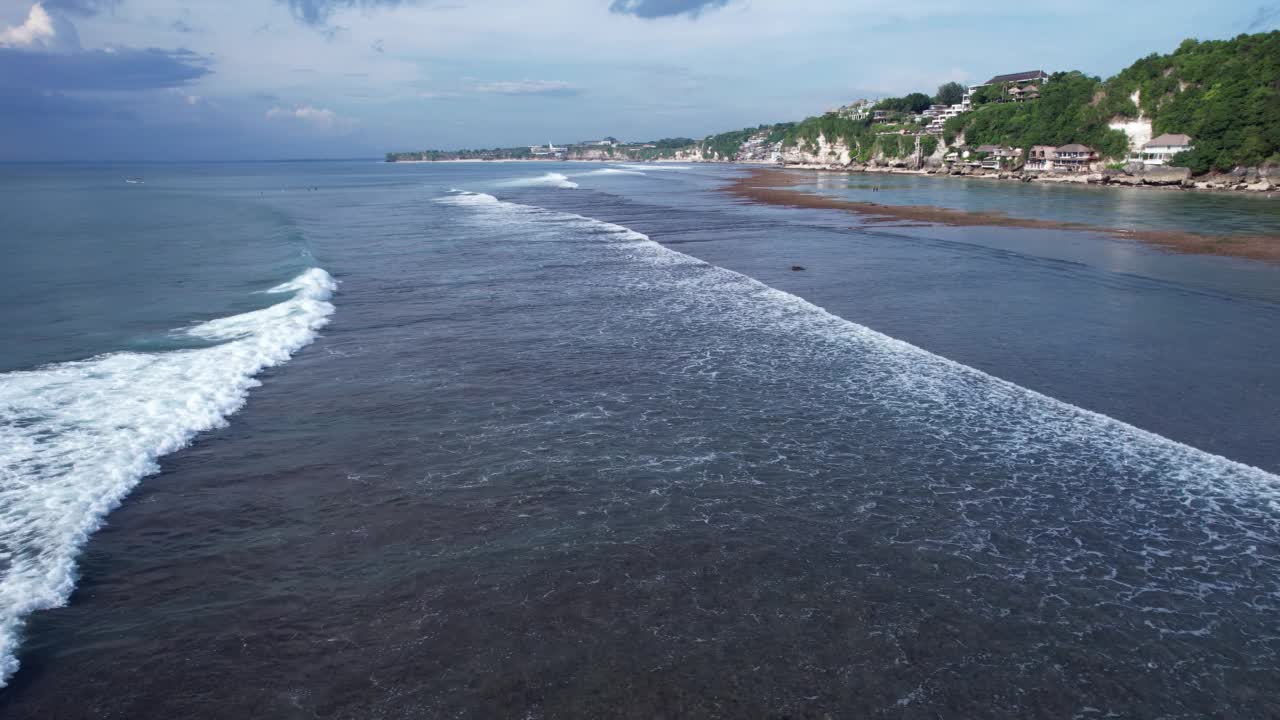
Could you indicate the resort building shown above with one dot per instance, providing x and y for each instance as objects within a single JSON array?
[
  {"x": 1162, "y": 149},
  {"x": 856, "y": 110},
  {"x": 942, "y": 116},
  {"x": 1022, "y": 94},
  {"x": 998, "y": 157},
  {"x": 1022, "y": 78},
  {"x": 1018, "y": 86},
  {"x": 1074, "y": 157},
  {"x": 1041, "y": 157}
]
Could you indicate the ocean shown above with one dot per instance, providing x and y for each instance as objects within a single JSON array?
[{"x": 358, "y": 440}]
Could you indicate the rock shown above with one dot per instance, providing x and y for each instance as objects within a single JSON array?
[
  {"x": 1264, "y": 186},
  {"x": 797, "y": 268},
  {"x": 1128, "y": 180},
  {"x": 1165, "y": 175}
]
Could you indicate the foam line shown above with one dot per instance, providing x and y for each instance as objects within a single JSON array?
[
  {"x": 919, "y": 376},
  {"x": 77, "y": 437}
]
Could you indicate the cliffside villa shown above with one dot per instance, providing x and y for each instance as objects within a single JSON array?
[{"x": 1162, "y": 149}]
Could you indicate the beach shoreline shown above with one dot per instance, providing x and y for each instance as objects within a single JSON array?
[{"x": 773, "y": 187}]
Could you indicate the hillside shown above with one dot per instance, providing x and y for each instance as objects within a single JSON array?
[
  {"x": 1225, "y": 94},
  {"x": 1065, "y": 113}
]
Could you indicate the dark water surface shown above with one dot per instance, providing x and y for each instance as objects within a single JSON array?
[{"x": 540, "y": 465}]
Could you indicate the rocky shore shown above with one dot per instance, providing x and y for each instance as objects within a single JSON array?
[
  {"x": 1253, "y": 180},
  {"x": 775, "y": 187}
]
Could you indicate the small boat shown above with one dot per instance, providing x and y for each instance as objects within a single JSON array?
[{"x": 135, "y": 181}]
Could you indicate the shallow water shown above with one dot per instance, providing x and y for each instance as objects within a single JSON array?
[
  {"x": 597, "y": 451},
  {"x": 1116, "y": 208}
]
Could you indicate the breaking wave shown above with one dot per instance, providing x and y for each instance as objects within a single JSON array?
[
  {"x": 77, "y": 437},
  {"x": 912, "y": 373},
  {"x": 556, "y": 180},
  {"x": 609, "y": 171},
  {"x": 655, "y": 166}
]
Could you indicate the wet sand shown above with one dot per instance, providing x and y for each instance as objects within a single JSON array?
[{"x": 771, "y": 187}]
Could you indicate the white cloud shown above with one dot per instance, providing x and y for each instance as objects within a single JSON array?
[
  {"x": 187, "y": 98},
  {"x": 41, "y": 31},
  {"x": 318, "y": 118},
  {"x": 528, "y": 87}
]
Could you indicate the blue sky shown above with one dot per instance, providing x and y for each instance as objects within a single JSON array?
[{"x": 263, "y": 79}]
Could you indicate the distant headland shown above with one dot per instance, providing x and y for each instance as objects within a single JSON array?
[{"x": 1206, "y": 116}]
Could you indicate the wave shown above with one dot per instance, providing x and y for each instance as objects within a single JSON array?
[
  {"x": 557, "y": 180},
  {"x": 916, "y": 379},
  {"x": 654, "y": 166},
  {"x": 609, "y": 171},
  {"x": 77, "y": 437}
]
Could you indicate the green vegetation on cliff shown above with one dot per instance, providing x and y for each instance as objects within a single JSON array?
[
  {"x": 913, "y": 103},
  {"x": 1225, "y": 94},
  {"x": 727, "y": 144},
  {"x": 1065, "y": 113}
]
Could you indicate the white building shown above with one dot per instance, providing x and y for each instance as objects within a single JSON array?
[
  {"x": 943, "y": 115},
  {"x": 1162, "y": 149},
  {"x": 856, "y": 110}
]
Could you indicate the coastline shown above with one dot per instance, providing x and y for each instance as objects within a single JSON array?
[
  {"x": 770, "y": 187},
  {"x": 1208, "y": 183},
  {"x": 547, "y": 160}
]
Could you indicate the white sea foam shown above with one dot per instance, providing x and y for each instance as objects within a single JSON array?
[
  {"x": 76, "y": 437},
  {"x": 654, "y": 166},
  {"x": 608, "y": 171},
  {"x": 921, "y": 380},
  {"x": 556, "y": 180},
  {"x": 465, "y": 197}
]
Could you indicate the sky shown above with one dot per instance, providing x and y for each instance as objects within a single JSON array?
[{"x": 275, "y": 79}]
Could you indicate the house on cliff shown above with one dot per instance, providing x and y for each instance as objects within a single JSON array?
[
  {"x": 1041, "y": 157},
  {"x": 1015, "y": 87},
  {"x": 998, "y": 157},
  {"x": 1067, "y": 158},
  {"x": 1022, "y": 78},
  {"x": 1162, "y": 149},
  {"x": 1074, "y": 157},
  {"x": 1023, "y": 94}
]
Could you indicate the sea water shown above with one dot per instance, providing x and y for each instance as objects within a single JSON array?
[{"x": 546, "y": 440}]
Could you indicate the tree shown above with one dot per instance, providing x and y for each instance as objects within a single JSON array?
[
  {"x": 1225, "y": 94},
  {"x": 988, "y": 94},
  {"x": 913, "y": 103},
  {"x": 1065, "y": 114},
  {"x": 951, "y": 93}
]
